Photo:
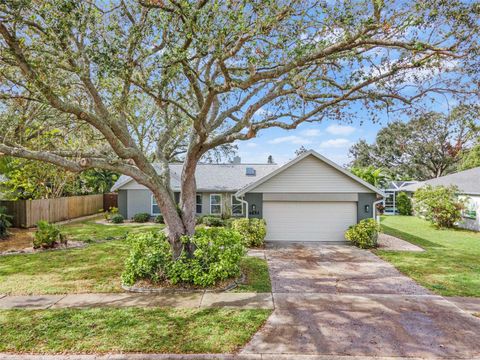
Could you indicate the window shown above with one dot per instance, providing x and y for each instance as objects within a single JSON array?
[
  {"x": 215, "y": 204},
  {"x": 155, "y": 208},
  {"x": 470, "y": 211},
  {"x": 237, "y": 206},
  {"x": 199, "y": 204}
]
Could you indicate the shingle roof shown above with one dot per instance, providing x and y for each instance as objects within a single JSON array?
[
  {"x": 468, "y": 182},
  {"x": 213, "y": 177}
]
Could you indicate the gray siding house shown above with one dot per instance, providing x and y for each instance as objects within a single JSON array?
[
  {"x": 468, "y": 182},
  {"x": 308, "y": 199}
]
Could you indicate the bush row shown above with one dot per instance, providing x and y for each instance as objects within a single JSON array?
[
  {"x": 216, "y": 257},
  {"x": 364, "y": 234}
]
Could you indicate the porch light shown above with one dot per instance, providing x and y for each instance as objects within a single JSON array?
[{"x": 367, "y": 208}]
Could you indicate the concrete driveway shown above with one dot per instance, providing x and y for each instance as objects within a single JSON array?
[{"x": 340, "y": 300}]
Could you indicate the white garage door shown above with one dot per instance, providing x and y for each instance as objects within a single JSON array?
[{"x": 308, "y": 221}]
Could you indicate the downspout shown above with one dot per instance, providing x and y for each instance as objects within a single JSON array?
[
  {"x": 375, "y": 209},
  {"x": 243, "y": 202}
]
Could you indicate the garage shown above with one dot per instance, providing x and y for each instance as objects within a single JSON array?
[
  {"x": 308, "y": 221},
  {"x": 310, "y": 199}
]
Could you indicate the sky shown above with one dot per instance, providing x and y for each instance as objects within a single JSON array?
[{"x": 330, "y": 138}]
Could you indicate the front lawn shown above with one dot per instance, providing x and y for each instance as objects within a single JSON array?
[
  {"x": 152, "y": 330},
  {"x": 95, "y": 268},
  {"x": 90, "y": 230},
  {"x": 257, "y": 277},
  {"x": 450, "y": 266}
]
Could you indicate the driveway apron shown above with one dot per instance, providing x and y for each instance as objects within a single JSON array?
[{"x": 340, "y": 300}]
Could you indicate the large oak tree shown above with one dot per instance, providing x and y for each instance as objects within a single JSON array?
[{"x": 147, "y": 78}]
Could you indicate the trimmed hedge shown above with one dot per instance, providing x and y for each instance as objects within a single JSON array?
[
  {"x": 217, "y": 256},
  {"x": 141, "y": 217},
  {"x": 253, "y": 231},
  {"x": 364, "y": 234}
]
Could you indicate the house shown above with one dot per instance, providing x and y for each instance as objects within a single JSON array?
[
  {"x": 391, "y": 191},
  {"x": 308, "y": 199},
  {"x": 468, "y": 182}
]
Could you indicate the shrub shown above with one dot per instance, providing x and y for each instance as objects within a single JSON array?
[
  {"x": 5, "y": 222},
  {"x": 217, "y": 256},
  {"x": 213, "y": 221},
  {"x": 440, "y": 205},
  {"x": 404, "y": 204},
  {"x": 141, "y": 217},
  {"x": 364, "y": 234},
  {"x": 117, "y": 219},
  {"x": 150, "y": 258},
  {"x": 47, "y": 235},
  {"x": 159, "y": 219},
  {"x": 253, "y": 231}
]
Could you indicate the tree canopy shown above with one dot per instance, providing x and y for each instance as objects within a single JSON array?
[
  {"x": 148, "y": 79},
  {"x": 427, "y": 146}
]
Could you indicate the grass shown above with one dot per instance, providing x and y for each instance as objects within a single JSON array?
[
  {"x": 256, "y": 274},
  {"x": 450, "y": 265},
  {"x": 95, "y": 268},
  {"x": 90, "y": 231},
  {"x": 152, "y": 330}
]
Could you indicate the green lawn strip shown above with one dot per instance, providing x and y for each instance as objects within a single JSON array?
[
  {"x": 95, "y": 268},
  {"x": 257, "y": 278},
  {"x": 103, "y": 330},
  {"x": 448, "y": 267},
  {"x": 89, "y": 231}
]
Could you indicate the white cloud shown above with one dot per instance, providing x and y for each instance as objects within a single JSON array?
[
  {"x": 340, "y": 129},
  {"x": 336, "y": 143},
  {"x": 292, "y": 139},
  {"x": 251, "y": 144},
  {"x": 311, "y": 132}
]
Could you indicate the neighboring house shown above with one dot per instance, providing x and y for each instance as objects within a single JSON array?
[
  {"x": 391, "y": 192},
  {"x": 468, "y": 182},
  {"x": 308, "y": 199}
]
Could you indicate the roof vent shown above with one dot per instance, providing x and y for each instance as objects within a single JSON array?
[{"x": 250, "y": 171}]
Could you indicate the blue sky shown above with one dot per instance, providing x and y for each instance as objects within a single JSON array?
[{"x": 330, "y": 138}]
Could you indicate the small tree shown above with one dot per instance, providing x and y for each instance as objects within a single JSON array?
[
  {"x": 404, "y": 204},
  {"x": 440, "y": 205}
]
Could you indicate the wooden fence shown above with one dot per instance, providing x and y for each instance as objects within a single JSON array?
[{"x": 26, "y": 213}]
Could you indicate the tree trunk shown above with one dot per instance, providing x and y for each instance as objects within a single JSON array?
[
  {"x": 188, "y": 195},
  {"x": 173, "y": 220}
]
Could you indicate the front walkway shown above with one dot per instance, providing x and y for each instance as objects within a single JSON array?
[{"x": 343, "y": 301}]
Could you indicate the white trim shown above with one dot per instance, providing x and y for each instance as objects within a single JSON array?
[
  {"x": 221, "y": 205},
  {"x": 241, "y": 205},
  {"x": 299, "y": 158},
  {"x": 151, "y": 206}
]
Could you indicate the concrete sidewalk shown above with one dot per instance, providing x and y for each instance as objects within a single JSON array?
[{"x": 177, "y": 300}]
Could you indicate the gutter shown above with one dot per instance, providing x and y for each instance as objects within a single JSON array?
[{"x": 243, "y": 202}]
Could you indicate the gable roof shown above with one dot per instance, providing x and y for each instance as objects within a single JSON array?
[
  {"x": 468, "y": 181},
  {"x": 211, "y": 177},
  {"x": 253, "y": 185}
]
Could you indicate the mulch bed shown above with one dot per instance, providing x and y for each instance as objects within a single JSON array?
[
  {"x": 145, "y": 286},
  {"x": 20, "y": 242}
]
